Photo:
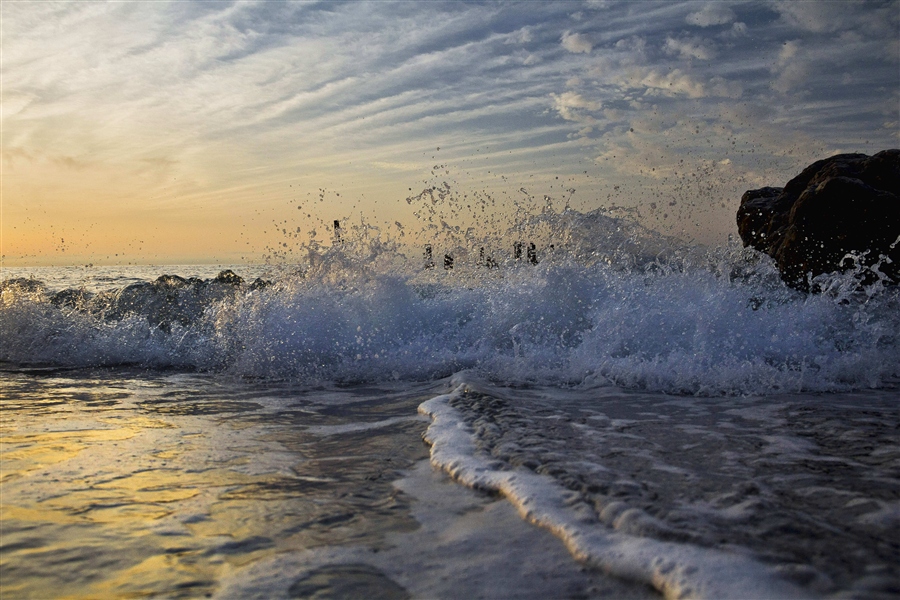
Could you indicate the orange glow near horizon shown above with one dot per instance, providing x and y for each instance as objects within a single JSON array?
[{"x": 56, "y": 215}]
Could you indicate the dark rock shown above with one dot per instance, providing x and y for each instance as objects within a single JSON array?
[
  {"x": 71, "y": 298},
  {"x": 23, "y": 285},
  {"x": 171, "y": 281},
  {"x": 166, "y": 302},
  {"x": 848, "y": 204},
  {"x": 260, "y": 283},
  {"x": 230, "y": 277},
  {"x": 170, "y": 300}
]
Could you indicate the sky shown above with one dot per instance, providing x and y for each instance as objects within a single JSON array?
[{"x": 161, "y": 132}]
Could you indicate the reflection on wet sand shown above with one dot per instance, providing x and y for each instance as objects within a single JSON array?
[{"x": 158, "y": 485}]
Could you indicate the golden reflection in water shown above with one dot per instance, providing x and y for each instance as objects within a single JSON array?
[
  {"x": 114, "y": 500},
  {"x": 24, "y": 453}
]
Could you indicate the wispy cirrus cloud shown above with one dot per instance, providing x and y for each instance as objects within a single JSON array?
[
  {"x": 713, "y": 13},
  {"x": 180, "y": 99}
]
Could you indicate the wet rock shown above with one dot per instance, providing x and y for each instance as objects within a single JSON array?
[
  {"x": 166, "y": 302},
  {"x": 840, "y": 213},
  {"x": 230, "y": 277},
  {"x": 259, "y": 283},
  {"x": 171, "y": 299},
  {"x": 172, "y": 281},
  {"x": 71, "y": 298},
  {"x": 23, "y": 285}
]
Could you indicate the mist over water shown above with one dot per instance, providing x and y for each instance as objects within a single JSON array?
[{"x": 597, "y": 300}]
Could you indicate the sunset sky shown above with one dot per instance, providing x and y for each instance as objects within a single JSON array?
[{"x": 179, "y": 132}]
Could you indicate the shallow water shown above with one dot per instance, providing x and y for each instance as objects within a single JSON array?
[
  {"x": 125, "y": 483},
  {"x": 117, "y": 484},
  {"x": 806, "y": 484}
]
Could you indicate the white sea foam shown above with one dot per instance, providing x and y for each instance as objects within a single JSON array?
[
  {"x": 676, "y": 570},
  {"x": 702, "y": 497},
  {"x": 601, "y": 308}
]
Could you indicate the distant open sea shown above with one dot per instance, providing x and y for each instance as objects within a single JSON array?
[{"x": 611, "y": 419}]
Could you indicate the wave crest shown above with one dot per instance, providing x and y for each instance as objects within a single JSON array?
[{"x": 608, "y": 304}]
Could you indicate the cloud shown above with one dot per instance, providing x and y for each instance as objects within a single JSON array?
[
  {"x": 520, "y": 36},
  {"x": 673, "y": 83},
  {"x": 723, "y": 88},
  {"x": 284, "y": 90},
  {"x": 576, "y": 43},
  {"x": 629, "y": 51},
  {"x": 738, "y": 30},
  {"x": 70, "y": 162},
  {"x": 690, "y": 47},
  {"x": 871, "y": 18},
  {"x": 714, "y": 13},
  {"x": 570, "y": 106},
  {"x": 160, "y": 161},
  {"x": 408, "y": 167},
  {"x": 788, "y": 52},
  {"x": 10, "y": 154},
  {"x": 816, "y": 17},
  {"x": 14, "y": 102},
  {"x": 791, "y": 70}
]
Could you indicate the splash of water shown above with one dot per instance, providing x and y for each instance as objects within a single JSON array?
[{"x": 600, "y": 301}]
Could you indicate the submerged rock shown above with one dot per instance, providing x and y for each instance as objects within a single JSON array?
[{"x": 840, "y": 213}]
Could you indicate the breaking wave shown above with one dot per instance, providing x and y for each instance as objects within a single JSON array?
[{"x": 590, "y": 300}]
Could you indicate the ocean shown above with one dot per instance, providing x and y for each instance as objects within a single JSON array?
[{"x": 609, "y": 414}]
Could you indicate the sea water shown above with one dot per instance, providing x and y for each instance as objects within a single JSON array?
[{"x": 681, "y": 422}]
